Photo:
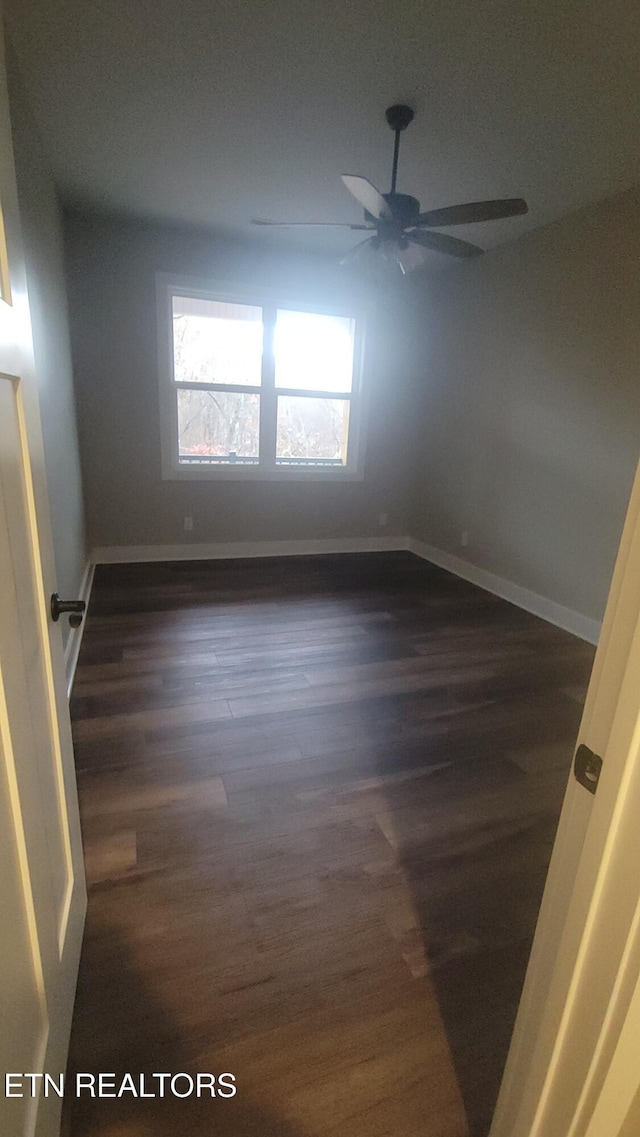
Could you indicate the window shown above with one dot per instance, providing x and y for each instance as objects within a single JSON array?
[{"x": 257, "y": 388}]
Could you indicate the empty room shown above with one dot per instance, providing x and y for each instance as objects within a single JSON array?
[{"x": 320, "y": 569}]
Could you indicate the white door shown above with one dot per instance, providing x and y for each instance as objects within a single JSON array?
[
  {"x": 42, "y": 893},
  {"x": 582, "y": 980}
]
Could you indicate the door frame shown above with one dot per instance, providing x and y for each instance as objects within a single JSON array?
[
  {"x": 54, "y": 934},
  {"x": 571, "y": 1041}
]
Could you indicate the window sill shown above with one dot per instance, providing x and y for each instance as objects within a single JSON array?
[{"x": 194, "y": 473}]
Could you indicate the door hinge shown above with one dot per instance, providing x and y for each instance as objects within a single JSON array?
[{"x": 587, "y": 767}]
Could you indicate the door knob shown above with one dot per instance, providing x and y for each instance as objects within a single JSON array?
[{"x": 74, "y": 608}]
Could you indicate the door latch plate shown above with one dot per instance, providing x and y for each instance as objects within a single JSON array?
[{"x": 587, "y": 767}]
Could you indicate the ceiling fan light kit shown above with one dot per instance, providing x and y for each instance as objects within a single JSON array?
[{"x": 394, "y": 219}]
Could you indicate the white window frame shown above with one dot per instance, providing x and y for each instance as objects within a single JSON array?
[{"x": 266, "y": 469}]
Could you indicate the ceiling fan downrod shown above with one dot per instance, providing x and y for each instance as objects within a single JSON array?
[{"x": 398, "y": 116}]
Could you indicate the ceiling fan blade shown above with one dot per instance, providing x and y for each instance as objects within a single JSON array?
[
  {"x": 473, "y": 211},
  {"x": 369, "y": 197},
  {"x": 442, "y": 243},
  {"x": 309, "y": 224},
  {"x": 356, "y": 252}
]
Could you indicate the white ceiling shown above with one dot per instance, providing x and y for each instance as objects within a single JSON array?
[{"x": 216, "y": 111}]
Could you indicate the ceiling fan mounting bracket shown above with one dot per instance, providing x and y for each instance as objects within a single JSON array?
[{"x": 399, "y": 116}]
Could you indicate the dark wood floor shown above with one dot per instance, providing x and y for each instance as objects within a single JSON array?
[{"x": 318, "y": 800}]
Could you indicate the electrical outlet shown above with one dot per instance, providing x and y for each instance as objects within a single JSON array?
[
  {"x": 464, "y": 538},
  {"x": 188, "y": 524},
  {"x": 382, "y": 519}
]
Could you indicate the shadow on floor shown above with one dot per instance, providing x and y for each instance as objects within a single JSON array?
[
  {"x": 386, "y": 839},
  {"x": 476, "y": 884},
  {"x": 120, "y": 1019}
]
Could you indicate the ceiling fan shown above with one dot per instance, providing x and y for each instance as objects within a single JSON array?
[{"x": 399, "y": 231}]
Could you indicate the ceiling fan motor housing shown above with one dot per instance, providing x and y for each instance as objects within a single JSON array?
[{"x": 404, "y": 210}]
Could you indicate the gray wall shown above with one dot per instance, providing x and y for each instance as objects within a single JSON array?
[
  {"x": 112, "y": 265},
  {"x": 44, "y": 253},
  {"x": 505, "y": 401},
  {"x": 531, "y": 405}
]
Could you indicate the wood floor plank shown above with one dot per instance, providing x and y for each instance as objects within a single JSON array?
[{"x": 318, "y": 799}]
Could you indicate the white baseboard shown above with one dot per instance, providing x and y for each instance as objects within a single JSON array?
[
  {"x": 128, "y": 554},
  {"x": 72, "y": 646},
  {"x": 582, "y": 626},
  {"x": 579, "y": 625}
]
